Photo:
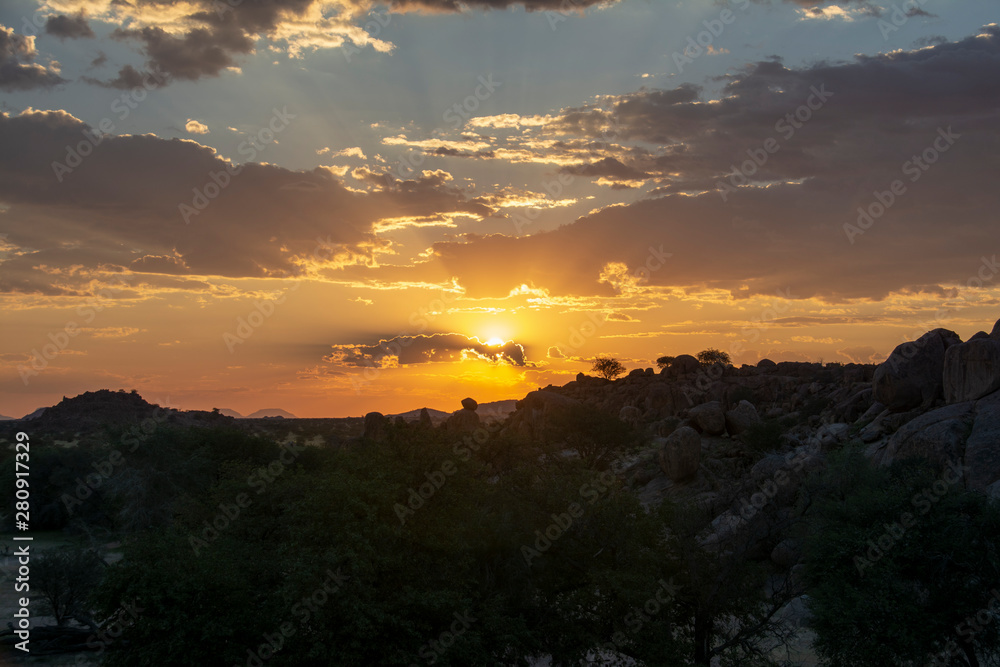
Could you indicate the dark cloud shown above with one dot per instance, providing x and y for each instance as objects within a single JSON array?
[
  {"x": 17, "y": 69},
  {"x": 177, "y": 207},
  {"x": 783, "y": 228},
  {"x": 426, "y": 348},
  {"x": 199, "y": 53},
  {"x": 607, "y": 167},
  {"x": 462, "y": 5},
  {"x": 68, "y": 27},
  {"x": 129, "y": 78}
]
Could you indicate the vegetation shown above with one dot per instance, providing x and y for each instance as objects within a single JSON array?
[
  {"x": 495, "y": 549},
  {"x": 904, "y": 566},
  {"x": 664, "y": 362},
  {"x": 608, "y": 367},
  {"x": 713, "y": 356}
]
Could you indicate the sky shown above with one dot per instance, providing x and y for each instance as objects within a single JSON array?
[{"x": 340, "y": 206}]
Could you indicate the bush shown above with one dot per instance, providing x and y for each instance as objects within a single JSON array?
[{"x": 664, "y": 362}]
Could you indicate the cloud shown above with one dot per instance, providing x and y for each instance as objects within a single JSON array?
[
  {"x": 17, "y": 71},
  {"x": 263, "y": 221},
  {"x": 196, "y": 127},
  {"x": 452, "y": 6},
  {"x": 405, "y": 350},
  {"x": 777, "y": 223},
  {"x": 68, "y": 27}
]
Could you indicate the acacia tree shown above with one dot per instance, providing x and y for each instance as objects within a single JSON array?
[
  {"x": 608, "y": 367},
  {"x": 712, "y": 355},
  {"x": 664, "y": 362}
]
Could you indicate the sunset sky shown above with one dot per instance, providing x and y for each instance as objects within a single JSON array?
[{"x": 338, "y": 206}]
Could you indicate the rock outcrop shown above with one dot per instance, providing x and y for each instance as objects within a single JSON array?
[
  {"x": 971, "y": 370},
  {"x": 742, "y": 417},
  {"x": 709, "y": 418},
  {"x": 465, "y": 420},
  {"x": 680, "y": 454},
  {"x": 912, "y": 375}
]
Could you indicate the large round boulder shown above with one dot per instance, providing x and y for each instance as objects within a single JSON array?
[
  {"x": 741, "y": 417},
  {"x": 685, "y": 363},
  {"x": 709, "y": 418},
  {"x": 971, "y": 370},
  {"x": 912, "y": 375},
  {"x": 680, "y": 455}
]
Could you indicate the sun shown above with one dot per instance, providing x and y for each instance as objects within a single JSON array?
[{"x": 495, "y": 342}]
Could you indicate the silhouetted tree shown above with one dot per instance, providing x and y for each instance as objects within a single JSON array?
[
  {"x": 712, "y": 355},
  {"x": 608, "y": 367},
  {"x": 663, "y": 362}
]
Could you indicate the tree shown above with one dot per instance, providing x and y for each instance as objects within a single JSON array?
[
  {"x": 901, "y": 565},
  {"x": 608, "y": 367},
  {"x": 712, "y": 355},
  {"x": 664, "y": 362},
  {"x": 67, "y": 578}
]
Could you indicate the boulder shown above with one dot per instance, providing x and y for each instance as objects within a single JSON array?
[
  {"x": 463, "y": 421},
  {"x": 741, "y": 417},
  {"x": 979, "y": 335},
  {"x": 630, "y": 415},
  {"x": 709, "y": 418},
  {"x": 540, "y": 411},
  {"x": 680, "y": 455},
  {"x": 995, "y": 334},
  {"x": 766, "y": 365},
  {"x": 425, "y": 418},
  {"x": 937, "y": 436},
  {"x": 470, "y": 404},
  {"x": 786, "y": 554},
  {"x": 375, "y": 427},
  {"x": 912, "y": 375},
  {"x": 971, "y": 370},
  {"x": 982, "y": 449},
  {"x": 685, "y": 363}
]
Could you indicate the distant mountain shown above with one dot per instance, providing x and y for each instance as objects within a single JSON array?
[
  {"x": 496, "y": 410},
  {"x": 4, "y": 418},
  {"x": 34, "y": 415},
  {"x": 270, "y": 412},
  {"x": 230, "y": 413}
]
